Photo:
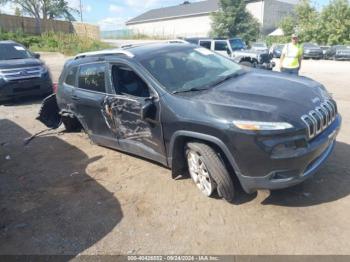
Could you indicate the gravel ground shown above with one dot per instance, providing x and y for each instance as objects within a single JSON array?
[{"x": 63, "y": 195}]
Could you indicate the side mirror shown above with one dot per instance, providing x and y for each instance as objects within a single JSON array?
[
  {"x": 228, "y": 51},
  {"x": 36, "y": 55},
  {"x": 148, "y": 110}
]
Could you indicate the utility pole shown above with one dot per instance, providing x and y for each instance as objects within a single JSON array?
[{"x": 81, "y": 10}]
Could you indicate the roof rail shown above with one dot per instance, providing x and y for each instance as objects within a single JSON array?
[
  {"x": 116, "y": 51},
  {"x": 136, "y": 45},
  {"x": 172, "y": 41}
]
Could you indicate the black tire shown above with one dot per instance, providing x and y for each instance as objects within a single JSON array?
[
  {"x": 217, "y": 170},
  {"x": 246, "y": 63},
  {"x": 71, "y": 124}
]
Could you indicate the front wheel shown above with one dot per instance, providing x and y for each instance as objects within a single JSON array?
[{"x": 208, "y": 171}]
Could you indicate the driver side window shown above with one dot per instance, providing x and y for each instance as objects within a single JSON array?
[{"x": 127, "y": 82}]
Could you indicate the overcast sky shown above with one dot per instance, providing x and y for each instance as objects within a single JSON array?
[{"x": 112, "y": 14}]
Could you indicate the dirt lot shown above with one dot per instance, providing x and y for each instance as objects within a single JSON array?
[{"x": 63, "y": 195}]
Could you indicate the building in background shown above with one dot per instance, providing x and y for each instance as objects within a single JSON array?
[{"x": 194, "y": 19}]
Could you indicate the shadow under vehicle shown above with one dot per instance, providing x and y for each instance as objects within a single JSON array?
[
  {"x": 22, "y": 73},
  {"x": 49, "y": 205},
  {"x": 331, "y": 184},
  {"x": 198, "y": 112}
]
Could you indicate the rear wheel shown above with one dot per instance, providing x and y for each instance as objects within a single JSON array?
[{"x": 208, "y": 171}]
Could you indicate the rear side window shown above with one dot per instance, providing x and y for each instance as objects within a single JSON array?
[
  {"x": 92, "y": 77},
  {"x": 71, "y": 77},
  {"x": 221, "y": 46},
  {"x": 205, "y": 44}
]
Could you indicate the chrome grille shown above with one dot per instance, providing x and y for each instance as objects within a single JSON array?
[
  {"x": 21, "y": 73},
  {"x": 320, "y": 118}
]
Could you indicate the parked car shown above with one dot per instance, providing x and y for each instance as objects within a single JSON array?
[
  {"x": 338, "y": 52},
  {"x": 235, "y": 49},
  {"x": 260, "y": 47},
  {"x": 276, "y": 50},
  {"x": 21, "y": 72},
  {"x": 196, "y": 111},
  {"x": 313, "y": 51}
]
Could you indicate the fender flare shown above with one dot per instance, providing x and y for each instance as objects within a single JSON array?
[{"x": 208, "y": 138}]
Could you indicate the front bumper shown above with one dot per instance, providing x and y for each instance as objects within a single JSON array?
[
  {"x": 291, "y": 170},
  {"x": 26, "y": 87}
]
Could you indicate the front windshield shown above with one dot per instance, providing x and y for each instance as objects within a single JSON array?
[
  {"x": 13, "y": 51},
  {"x": 187, "y": 68},
  {"x": 237, "y": 44}
]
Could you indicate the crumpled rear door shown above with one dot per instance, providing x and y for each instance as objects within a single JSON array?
[{"x": 49, "y": 112}]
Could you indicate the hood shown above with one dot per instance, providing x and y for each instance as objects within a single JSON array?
[
  {"x": 18, "y": 63},
  {"x": 264, "y": 96}
]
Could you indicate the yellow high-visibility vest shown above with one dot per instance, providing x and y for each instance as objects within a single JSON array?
[{"x": 292, "y": 53}]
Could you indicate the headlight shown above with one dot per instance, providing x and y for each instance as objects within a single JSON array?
[{"x": 260, "y": 126}]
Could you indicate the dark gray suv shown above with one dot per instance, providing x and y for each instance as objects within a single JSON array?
[
  {"x": 22, "y": 73},
  {"x": 195, "y": 111}
]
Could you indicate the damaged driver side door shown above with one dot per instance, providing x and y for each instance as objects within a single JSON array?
[{"x": 134, "y": 114}]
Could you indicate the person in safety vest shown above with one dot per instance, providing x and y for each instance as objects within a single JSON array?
[{"x": 291, "y": 57}]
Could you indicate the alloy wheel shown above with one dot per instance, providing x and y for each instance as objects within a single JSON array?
[{"x": 200, "y": 173}]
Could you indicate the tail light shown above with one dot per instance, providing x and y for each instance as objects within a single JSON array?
[{"x": 55, "y": 87}]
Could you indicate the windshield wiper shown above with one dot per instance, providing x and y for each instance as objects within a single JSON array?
[
  {"x": 194, "y": 89},
  {"x": 224, "y": 79},
  {"x": 216, "y": 83},
  {"x": 16, "y": 58}
]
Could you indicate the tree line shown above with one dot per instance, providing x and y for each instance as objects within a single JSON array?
[
  {"x": 328, "y": 25},
  {"x": 43, "y": 10}
]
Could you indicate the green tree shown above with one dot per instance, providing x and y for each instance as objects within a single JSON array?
[
  {"x": 288, "y": 25},
  {"x": 44, "y": 9},
  {"x": 305, "y": 21},
  {"x": 234, "y": 20},
  {"x": 308, "y": 21},
  {"x": 335, "y": 23},
  {"x": 18, "y": 11}
]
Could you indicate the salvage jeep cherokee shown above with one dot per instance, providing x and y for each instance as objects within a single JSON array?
[{"x": 189, "y": 108}]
